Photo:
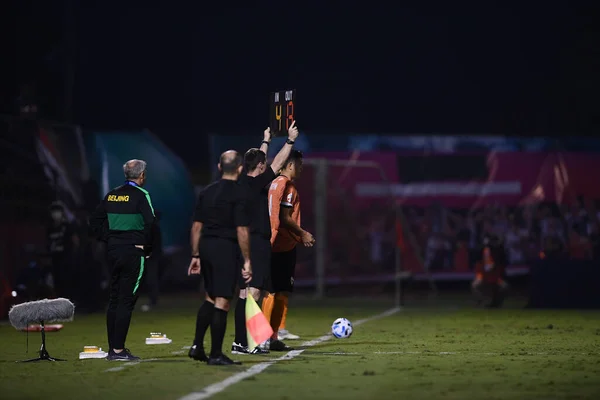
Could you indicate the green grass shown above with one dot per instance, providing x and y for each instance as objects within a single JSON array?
[{"x": 419, "y": 353}]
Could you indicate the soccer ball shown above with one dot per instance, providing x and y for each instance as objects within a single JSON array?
[{"x": 341, "y": 328}]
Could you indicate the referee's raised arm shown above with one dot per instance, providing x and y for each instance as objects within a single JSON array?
[{"x": 285, "y": 151}]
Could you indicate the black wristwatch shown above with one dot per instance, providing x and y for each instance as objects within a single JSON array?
[
  {"x": 266, "y": 142},
  {"x": 289, "y": 141},
  {"x": 195, "y": 256}
]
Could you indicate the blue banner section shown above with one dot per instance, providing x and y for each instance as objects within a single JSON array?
[{"x": 169, "y": 182}]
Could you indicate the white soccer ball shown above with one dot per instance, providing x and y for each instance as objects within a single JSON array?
[{"x": 341, "y": 328}]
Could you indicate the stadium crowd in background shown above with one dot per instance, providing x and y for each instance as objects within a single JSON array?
[
  {"x": 448, "y": 239},
  {"x": 440, "y": 239}
]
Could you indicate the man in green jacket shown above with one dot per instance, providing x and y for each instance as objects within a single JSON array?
[{"x": 124, "y": 219}]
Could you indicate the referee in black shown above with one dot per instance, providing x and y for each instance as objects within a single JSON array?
[
  {"x": 219, "y": 232},
  {"x": 125, "y": 220},
  {"x": 256, "y": 178}
]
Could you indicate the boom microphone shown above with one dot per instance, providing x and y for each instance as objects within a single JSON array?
[{"x": 41, "y": 311}]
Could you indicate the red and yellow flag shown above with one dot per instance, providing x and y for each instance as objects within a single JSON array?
[{"x": 258, "y": 328}]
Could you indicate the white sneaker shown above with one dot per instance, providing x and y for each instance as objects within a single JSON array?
[{"x": 284, "y": 334}]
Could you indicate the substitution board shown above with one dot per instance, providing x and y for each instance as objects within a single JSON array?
[{"x": 283, "y": 105}]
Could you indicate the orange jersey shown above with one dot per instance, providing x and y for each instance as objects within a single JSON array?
[
  {"x": 488, "y": 270},
  {"x": 283, "y": 193}
]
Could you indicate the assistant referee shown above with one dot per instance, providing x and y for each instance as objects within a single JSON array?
[
  {"x": 256, "y": 178},
  {"x": 124, "y": 219},
  {"x": 219, "y": 232}
]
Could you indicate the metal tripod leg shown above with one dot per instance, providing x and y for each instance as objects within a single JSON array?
[{"x": 44, "y": 356}]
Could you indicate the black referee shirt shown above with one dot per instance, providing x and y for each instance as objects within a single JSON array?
[
  {"x": 222, "y": 207},
  {"x": 258, "y": 203}
]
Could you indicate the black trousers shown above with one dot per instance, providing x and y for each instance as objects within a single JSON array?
[
  {"x": 260, "y": 255},
  {"x": 127, "y": 271}
]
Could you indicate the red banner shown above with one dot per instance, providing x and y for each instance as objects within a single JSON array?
[
  {"x": 513, "y": 179},
  {"x": 440, "y": 196}
]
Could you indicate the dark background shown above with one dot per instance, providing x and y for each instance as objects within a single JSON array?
[{"x": 184, "y": 70}]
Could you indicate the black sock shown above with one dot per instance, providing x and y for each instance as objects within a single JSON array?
[
  {"x": 111, "y": 316},
  {"x": 203, "y": 320},
  {"x": 217, "y": 332},
  {"x": 240, "y": 323}
]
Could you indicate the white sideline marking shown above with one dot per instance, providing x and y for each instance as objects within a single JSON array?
[
  {"x": 258, "y": 368},
  {"x": 121, "y": 368},
  {"x": 183, "y": 349},
  {"x": 128, "y": 364},
  {"x": 442, "y": 353}
]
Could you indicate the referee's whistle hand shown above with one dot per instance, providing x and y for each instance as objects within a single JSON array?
[
  {"x": 194, "y": 268},
  {"x": 247, "y": 272}
]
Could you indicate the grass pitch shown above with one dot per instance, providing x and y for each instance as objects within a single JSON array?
[{"x": 418, "y": 353}]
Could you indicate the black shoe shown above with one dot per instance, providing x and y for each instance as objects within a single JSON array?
[
  {"x": 197, "y": 353},
  {"x": 125, "y": 355},
  {"x": 278, "y": 345},
  {"x": 258, "y": 350},
  {"x": 237, "y": 348},
  {"x": 222, "y": 360}
]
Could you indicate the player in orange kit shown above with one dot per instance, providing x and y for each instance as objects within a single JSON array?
[
  {"x": 489, "y": 273},
  {"x": 286, "y": 233}
]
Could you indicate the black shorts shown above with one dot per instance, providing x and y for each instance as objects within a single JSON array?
[
  {"x": 220, "y": 266},
  {"x": 283, "y": 269},
  {"x": 260, "y": 257}
]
